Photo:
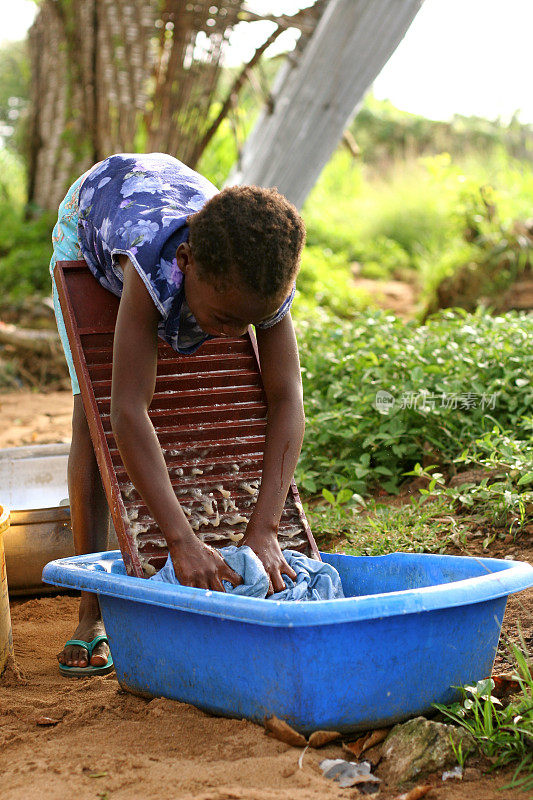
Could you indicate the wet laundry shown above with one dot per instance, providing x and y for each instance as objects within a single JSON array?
[{"x": 315, "y": 580}]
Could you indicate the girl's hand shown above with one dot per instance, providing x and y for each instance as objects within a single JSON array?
[
  {"x": 199, "y": 565},
  {"x": 265, "y": 545}
]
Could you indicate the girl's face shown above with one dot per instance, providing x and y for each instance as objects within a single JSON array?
[{"x": 223, "y": 312}]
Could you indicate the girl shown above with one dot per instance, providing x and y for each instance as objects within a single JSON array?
[{"x": 188, "y": 263}]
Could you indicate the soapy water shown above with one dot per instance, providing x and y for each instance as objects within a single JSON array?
[
  {"x": 155, "y": 541},
  {"x": 236, "y": 519},
  {"x": 212, "y": 517},
  {"x": 228, "y": 515},
  {"x": 252, "y": 487},
  {"x": 235, "y": 537},
  {"x": 290, "y": 537},
  {"x": 198, "y": 520},
  {"x": 148, "y": 568},
  {"x": 207, "y": 504},
  {"x": 138, "y": 527}
]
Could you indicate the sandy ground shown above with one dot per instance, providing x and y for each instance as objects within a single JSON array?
[
  {"x": 116, "y": 745},
  {"x": 32, "y": 418},
  {"x": 109, "y": 745}
]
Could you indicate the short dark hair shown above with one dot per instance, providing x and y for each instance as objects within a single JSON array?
[{"x": 252, "y": 231}]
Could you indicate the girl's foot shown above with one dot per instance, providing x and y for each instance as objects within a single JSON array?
[{"x": 90, "y": 626}]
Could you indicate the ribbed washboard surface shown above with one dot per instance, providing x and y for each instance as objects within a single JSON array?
[{"x": 209, "y": 413}]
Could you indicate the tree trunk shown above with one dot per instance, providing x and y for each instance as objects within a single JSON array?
[
  {"x": 127, "y": 76},
  {"x": 315, "y": 99},
  {"x": 91, "y": 60}
]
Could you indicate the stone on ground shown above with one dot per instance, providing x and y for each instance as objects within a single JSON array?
[{"x": 419, "y": 747}]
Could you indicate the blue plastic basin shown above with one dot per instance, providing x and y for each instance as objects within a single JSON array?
[{"x": 413, "y": 627}]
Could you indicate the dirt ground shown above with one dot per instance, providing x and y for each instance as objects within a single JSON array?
[
  {"x": 106, "y": 744},
  {"x": 34, "y": 418}
]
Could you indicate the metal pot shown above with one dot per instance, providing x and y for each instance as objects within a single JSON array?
[
  {"x": 33, "y": 481},
  {"x": 34, "y": 538}
]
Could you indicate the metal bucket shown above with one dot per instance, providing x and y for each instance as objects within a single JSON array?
[
  {"x": 33, "y": 482},
  {"x": 6, "y": 637}
]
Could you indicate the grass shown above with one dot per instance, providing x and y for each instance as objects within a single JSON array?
[
  {"x": 503, "y": 732},
  {"x": 413, "y": 216},
  {"x": 375, "y": 529}
]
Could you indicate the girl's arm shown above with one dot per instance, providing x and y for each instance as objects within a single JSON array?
[
  {"x": 280, "y": 369},
  {"x": 132, "y": 389}
]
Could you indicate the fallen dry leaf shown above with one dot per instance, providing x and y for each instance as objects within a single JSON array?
[
  {"x": 321, "y": 738},
  {"x": 356, "y": 747},
  {"x": 416, "y": 793},
  {"x": 46, "y": 721},
  {"x": 375, "y": 737},
  {"x": 504, "y": 685},
  {"x": 367, "y": 741},
  {"x": 282, "y": 731}
]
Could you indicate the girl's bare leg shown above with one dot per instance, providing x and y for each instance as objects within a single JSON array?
[{"x": 90, "y": 525}]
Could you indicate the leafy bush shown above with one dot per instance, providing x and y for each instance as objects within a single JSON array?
[
  {"x": 505, "y": 495},
  {"x": 25, "y": 251},
  {"x": 12, "y": 181},
  {"x": 450, "y": 381},
  {"x": 413, "y": 218},
  {"x": 383, "y": 257},
  {"x": 25, "y": 244},
  {"x": 384, "y": 133},
  {"x": 499, "y": 252},
  {"x": 325, "y": 279}
]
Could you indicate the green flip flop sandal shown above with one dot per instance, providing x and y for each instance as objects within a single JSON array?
[{"x": 80, "y": 672}]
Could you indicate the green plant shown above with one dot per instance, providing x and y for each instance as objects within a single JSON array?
[
  {"x": 413, "y": 217},
  {"x": 458, "y": 752},
  {"x": 383, "y": 257},
  {"x": 498, "y": 251},
  {"x": 25, "y": 250},
  {"x": 447, "y": 379},
  {"x": 375, "y": 528},
  {"x": 503, "y": 496},
  {"x": 25, "y": 244},
  {"x": 343, "y": 497},
  {"x": 504, "y": 733},
  {"x": 325, "y": 280}
]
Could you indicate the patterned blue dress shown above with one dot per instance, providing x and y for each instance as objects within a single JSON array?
[{"x": 137, "y": 205}]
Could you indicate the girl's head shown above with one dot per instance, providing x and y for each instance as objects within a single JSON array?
[{"x": 242, "y": 258}]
